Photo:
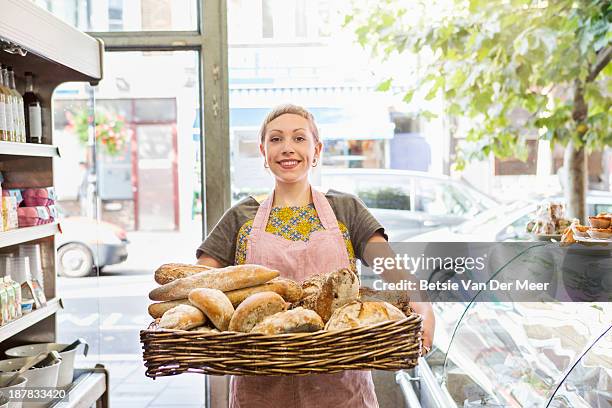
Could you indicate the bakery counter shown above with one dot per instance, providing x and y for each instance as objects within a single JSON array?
[{"x": 90, "y": 386}]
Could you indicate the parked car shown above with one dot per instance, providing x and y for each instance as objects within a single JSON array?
[
  {"x": 86, "y": 243},
  {"x": 409, "y": 203},
  {"x": 507, "y": 222}
]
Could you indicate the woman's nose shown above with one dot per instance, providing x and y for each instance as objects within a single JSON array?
[{"x": 288, "y": 147}]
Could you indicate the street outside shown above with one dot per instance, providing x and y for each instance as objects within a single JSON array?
[{"x": 110, "y": 310}]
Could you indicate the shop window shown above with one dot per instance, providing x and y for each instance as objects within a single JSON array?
[{"x": 115, "y": 15}]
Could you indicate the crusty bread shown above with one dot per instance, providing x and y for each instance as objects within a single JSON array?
[
  {"x": 223, "y": 279},
  {"x": 214, "y": 304},
  {"x": 326, "y": 293},
  {"x": 158, "y": 309},
  {"x": 298, "y": 320},
  {"x": 172, "y": 271},
  {"x": 182, "y": 317},
  {"x": 204, "y": 329},
  {"x": 398, "y": 298},
  {"x": 358, "y": 314},
  {"x": 290, "y": 290},
  {"x": 254, "y": 309}
]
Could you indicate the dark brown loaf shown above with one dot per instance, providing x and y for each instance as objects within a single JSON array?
[
  {"x": 254, "y": 309},
  {"x": 223, "y": 279},
  {"x": 290, "y": 290},
  {"x": 172, "y": 271},
  {"x": 158, "y": 309},
  {"x": 326, "y": 293},
  {"x": 298, "y": 320}
]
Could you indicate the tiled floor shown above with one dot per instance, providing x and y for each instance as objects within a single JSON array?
[{"x": 129, "y": 387}]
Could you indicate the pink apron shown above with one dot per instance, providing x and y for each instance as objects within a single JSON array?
[{"x": 324, "y": 252}]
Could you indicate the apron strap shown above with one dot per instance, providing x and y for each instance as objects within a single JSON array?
[{"x": 325, "y": 211}]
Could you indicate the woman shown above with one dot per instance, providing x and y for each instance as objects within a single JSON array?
[{"x": 300, "y": 232}]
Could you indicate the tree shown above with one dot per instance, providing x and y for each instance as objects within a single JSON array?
[{"x": 495, "y": 61}]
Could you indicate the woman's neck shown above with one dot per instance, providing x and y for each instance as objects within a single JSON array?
[{"x": 292, "y": 194}]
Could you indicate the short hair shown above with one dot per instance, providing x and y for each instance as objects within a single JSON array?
[{"x": 292, "y": 109}]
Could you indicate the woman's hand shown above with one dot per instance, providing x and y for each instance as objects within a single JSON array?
[{"x": 429, "y": 323}]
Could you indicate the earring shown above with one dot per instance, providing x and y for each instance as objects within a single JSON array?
[
  {"x": 265, "y": 164},
  {"x": 314, "y": 162}
]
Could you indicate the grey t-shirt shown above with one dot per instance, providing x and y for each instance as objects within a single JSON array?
[{"x": 349, "y": 210}]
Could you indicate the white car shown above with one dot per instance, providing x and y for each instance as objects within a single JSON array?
[{"x": 85, "y": 243}]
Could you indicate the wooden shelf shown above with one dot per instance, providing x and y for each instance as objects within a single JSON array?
[
  {"x": 89, "y": 386},
  {"x": 16, "y": 326},
  {"x": 28, "y": 149},
  {"x": 21, "y": 235}
]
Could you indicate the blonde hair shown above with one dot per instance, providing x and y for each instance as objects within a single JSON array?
[{"x": 292, "y": 109}]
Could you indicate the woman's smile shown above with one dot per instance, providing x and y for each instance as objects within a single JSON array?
[{"x": 289, "y": 164}]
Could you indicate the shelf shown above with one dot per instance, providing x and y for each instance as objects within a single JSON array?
[
  {"x": 21, "y": 235},
  {"x": 88, "y": 387},
  {"x": 16, "y": 326},
  {"x": 38, "y": 32},
  {"x": 28, "y": 149}
]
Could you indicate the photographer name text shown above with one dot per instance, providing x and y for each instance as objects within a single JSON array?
[{"x": 467, "y": 285}]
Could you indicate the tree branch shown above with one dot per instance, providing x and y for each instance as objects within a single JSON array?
[{"x": 603, "y": 58}]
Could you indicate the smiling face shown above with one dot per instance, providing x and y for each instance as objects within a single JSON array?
[{"x": 290, "y": 148}]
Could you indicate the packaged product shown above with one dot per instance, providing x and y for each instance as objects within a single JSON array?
[
  {"x": 31, "y": 216},
  {"x": 34, "y": 197},
  {"x": 4, "y": 312},
  {"x": 17, "y": 288},
  {"x": 13, "y": 193},
  {"x": 10, "y": 219},
  {"x": 11, "y": 298}
]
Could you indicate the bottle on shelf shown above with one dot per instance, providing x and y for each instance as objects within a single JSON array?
[
  {"x": 5, "y": 134},
  {"x": 19, "y": 115},
  {"x": 9, "y": 110},
  {"x": 33, "y": 113}
]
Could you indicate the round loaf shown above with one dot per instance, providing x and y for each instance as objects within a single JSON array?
[
  {"x": 358, "y": 314},
  {"x": 290, "y": 290},
  {"x": 254, "y": 309},
  {"x": 326, "y": 293},
  {"x": 214, "y": 304},
  {"x": 182, "y": 317},
  {"x": 298, "y": 320}
]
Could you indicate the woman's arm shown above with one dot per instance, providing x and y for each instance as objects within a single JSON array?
[
  {"x": 209, "y": 261},
  {"x": 422, "y": 308}
]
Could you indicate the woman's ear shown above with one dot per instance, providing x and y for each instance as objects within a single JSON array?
[{"x": 262, "y": 150}]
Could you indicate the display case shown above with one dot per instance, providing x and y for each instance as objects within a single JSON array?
[
  {"x": 33, "y": 40},
  {"x": 544, "y": 353}
]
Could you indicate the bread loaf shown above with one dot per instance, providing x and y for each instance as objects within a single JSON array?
[
  {"x": 182, "y": 317},
  {"x": 358, "y": 314},
  {"x": 254, "y": 309},
  {"x": 172, "y": 271},
  {"x": 223, "y": 279},
  {"x": 327, "y": 293},
  {"x": 298, "y": 320},
  {"x": 214, "y": 304},
  {"x": 158, "y": 309},
  {"x": 290, "y": 290}
]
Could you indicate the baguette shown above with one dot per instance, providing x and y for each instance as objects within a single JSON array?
[
  {"x": 214, "y": 304},
  {"x": 288, "y": 289},
  {"x": 182, "y": 317},
  {"x": 254, "y": 309},
  {"x": 158, "y": 309},
  {"x": 172, "y": 271},
  {"x": 298, "y": 320},
  {"x": 223, "y": 279}
]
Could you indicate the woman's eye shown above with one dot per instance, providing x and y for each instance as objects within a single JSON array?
[
  {"x": 274, "y": 139},
  {"x": 300, "y": 138}
]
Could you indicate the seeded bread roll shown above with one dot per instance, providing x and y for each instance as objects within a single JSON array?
[
  {"x": 326, "y": 293},
  {"x": 182, "y": 317},
  {"x": 214, "y": 304},
  {"x": 358, "y": 314},
  {"x": 223, "y": 279},
  {"x": 172, "y": 271},
  {"x": 158, "y": 309},
  {"x": 290, "y": 290},
  {"x": 298, "y": 320},
  {"x": 254, "y": 309}
]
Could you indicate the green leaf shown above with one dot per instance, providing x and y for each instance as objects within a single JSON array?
[
  {"x": 385, "y": 85},
  {"x": 408, "y": 96}
]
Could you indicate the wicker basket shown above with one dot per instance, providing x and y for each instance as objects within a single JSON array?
[{"x": 391, "y": 345}]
